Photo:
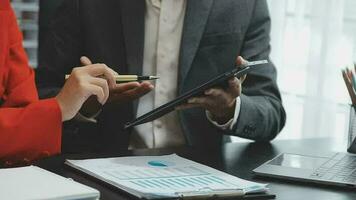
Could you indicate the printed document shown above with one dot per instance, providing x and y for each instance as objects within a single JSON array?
[{"x": 154, "y": 177}]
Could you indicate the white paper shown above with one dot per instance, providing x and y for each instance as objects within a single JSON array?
[
  {"x": 162, "y": 176},
  {"x": 29, "y": 183}
]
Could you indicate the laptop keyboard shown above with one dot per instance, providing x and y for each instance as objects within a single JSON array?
[{"x": 340, "y": 168}]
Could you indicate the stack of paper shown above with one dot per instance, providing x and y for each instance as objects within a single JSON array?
[
  {"x": 28, "y": 183},
  {"x": 154, "y": 177}
]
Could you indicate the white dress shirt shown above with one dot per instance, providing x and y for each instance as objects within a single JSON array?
[{"x": 163, "y": 33}]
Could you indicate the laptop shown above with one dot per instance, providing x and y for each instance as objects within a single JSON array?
[{"x": 330, "y": 168}]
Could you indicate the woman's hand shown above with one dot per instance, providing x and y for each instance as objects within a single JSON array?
[{"x": 84, "y": 82}]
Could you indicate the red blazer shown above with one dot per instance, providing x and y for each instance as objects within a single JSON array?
[{"x": 29, "y": 128}]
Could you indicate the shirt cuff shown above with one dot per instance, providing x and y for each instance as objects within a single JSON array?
[
  {"x": 82, "y": 118},
  {"x": 231, "y": 123}
]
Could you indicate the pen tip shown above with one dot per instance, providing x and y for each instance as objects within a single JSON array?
[{"x": 154, "y": 77}]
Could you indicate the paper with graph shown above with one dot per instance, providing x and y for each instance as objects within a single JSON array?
[{"x": 154, "y": 177}]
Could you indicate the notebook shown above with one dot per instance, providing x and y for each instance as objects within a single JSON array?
[
  {"x": 169, "y": 176},
  {"x": 29, "y": 183}
]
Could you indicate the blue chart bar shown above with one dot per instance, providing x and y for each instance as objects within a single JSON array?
[
  {"x": 181, "y": 182},
  {"x": 156, "y": 173}
]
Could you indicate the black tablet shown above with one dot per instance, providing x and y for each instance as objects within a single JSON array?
[{"x": 217, "y": 81}]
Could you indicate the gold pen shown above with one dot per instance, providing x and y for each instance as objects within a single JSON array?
[{"x": 129, "y": 78}]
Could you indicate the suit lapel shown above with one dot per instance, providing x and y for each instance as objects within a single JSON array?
[
  {"x": 197, "y": 13},
  {"x": 132, "y": 14},
  {"x": 133, "y": 23}
]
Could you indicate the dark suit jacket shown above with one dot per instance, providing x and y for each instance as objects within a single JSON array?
[{"x": 215, "y": 33}]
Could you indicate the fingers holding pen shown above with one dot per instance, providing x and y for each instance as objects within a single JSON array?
[
  {"x": 122, "y": 92},
  {"x": 100, "y": 70},
  {"x": 81, "y": 84},
  {"x": 101, "y": 83}
]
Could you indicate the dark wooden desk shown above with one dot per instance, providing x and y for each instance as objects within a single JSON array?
[{"x": 238, "y": 159}]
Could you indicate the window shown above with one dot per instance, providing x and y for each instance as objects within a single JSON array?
[
  {"x": 27, "y": 15},
  {"x": 311, "y": 42}
]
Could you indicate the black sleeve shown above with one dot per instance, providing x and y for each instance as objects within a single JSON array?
[
  {"x": 262, "y": 115},
  {"x": 59, "y": 51}
]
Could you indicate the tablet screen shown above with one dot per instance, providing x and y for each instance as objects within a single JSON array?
[{"x": 183, "y": 98}]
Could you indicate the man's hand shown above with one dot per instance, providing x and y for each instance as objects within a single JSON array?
[
  {"x": 119, "y": 93},
  {"x": 219, "y": 102},
  {"x": 125, "y": 92}
]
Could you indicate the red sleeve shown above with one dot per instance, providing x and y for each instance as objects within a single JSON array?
[{"x": 29, "y": 128}]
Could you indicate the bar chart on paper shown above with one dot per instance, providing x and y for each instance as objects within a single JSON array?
[
  {"x": 175, "y": 177},
  {"x": 162, "y": 176}
]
